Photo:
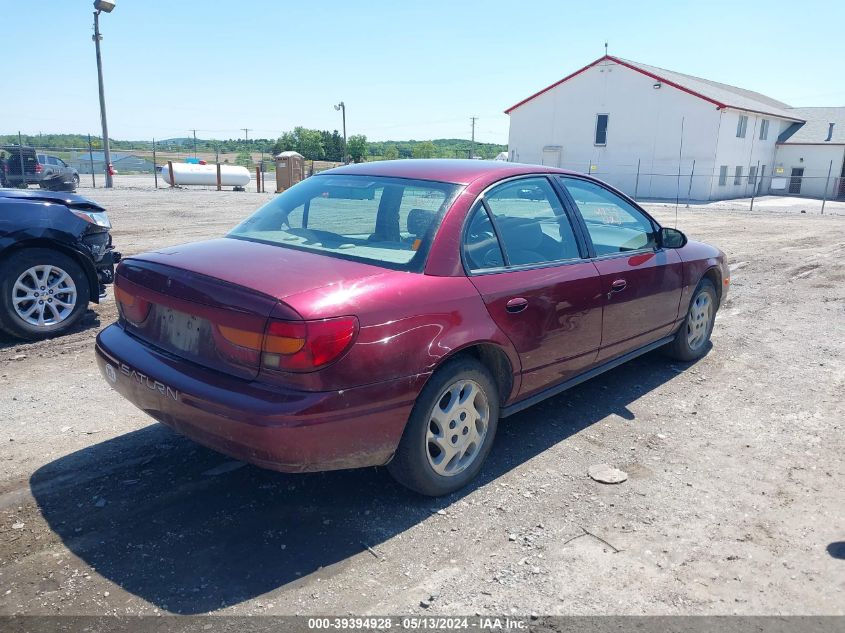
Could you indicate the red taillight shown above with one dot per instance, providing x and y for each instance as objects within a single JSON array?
[
  {"x": 38, "y": 168},
  {"x": 303, "y": 346},
  {"x": 134, "y": 309}
]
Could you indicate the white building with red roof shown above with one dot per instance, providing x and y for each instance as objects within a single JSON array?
[{"x": 655, "y": 133}]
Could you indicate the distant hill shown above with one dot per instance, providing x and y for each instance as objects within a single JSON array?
[{"x": 375, "y": 150}]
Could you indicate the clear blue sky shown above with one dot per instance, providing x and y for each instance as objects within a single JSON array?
[{"x": 407, "y": 69}]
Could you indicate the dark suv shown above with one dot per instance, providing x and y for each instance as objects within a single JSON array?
[
  {"x": 55, "y": 256},
  {"x": 10, "y": 166}
]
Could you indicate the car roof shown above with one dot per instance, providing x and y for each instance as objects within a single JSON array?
[
  {"x": 457, "y": 171},
  {"x": 58, "y": 197}
]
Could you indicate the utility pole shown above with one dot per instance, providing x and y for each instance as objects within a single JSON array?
[
  {"x": 473, "y": 119},
  {"x": 342, "y": 106},
  {"x": 106, "y": 151},
  {"x": 195, "y": 142},
  {"x": 246, "y": 130}
]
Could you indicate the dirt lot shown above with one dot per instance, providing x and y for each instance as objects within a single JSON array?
[{"x": 734, "y": 502}]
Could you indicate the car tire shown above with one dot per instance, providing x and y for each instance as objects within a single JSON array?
[
  {"x": 60, "y": 307},
  {"x": 75, "y": 182},
  {"x": 692, "y": 338},
  {"x": 458, "y": 410}
]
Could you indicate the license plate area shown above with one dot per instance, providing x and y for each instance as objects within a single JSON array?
[{"x": 182, "y": 331}]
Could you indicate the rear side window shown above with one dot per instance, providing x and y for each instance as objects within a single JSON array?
[
  {"x": 530, "y": 221},
  {"x": 614, "y": 225},
  {"x": 388, "y": 221},
  {"x": 481, "y": 246}
]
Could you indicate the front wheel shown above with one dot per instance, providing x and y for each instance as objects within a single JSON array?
[
  {"x": 450, "y": 431},
  {"x": 42, "y": 293},
  {"x": 694, "y": 334}
]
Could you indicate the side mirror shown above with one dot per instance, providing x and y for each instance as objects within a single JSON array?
[{"x": 672, "y": 238}]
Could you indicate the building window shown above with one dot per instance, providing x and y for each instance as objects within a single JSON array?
[
  {"x": 752, "y": 175},
  {"x": 723, "y": 175},
  {"x": 741, "y": 126},
  {"x": 764, "y": 129},
  {"x": 738, "y": 175},
  {"x": 601, "y": 129}
]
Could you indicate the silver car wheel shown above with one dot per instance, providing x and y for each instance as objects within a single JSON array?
[
  {"x": 698, "y": 321},
  {"x": 457, "y": 427},
  {"x": 44, "y": 295}
]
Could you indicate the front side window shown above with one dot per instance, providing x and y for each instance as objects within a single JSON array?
[
  {"x": 387, "y": 221},
  {"x": 601, "y": 129},
  {"x": 741, "y": 126},
  {"x": 614, "y": 225},
  {"x": 531, "y": 222}
]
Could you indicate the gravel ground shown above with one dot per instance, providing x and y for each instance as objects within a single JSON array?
[{"x": 733, "y": 503}]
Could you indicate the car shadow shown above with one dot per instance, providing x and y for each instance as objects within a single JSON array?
[
  {"x": 90, "y": 320},
  {"x": 190, "y": 531}
]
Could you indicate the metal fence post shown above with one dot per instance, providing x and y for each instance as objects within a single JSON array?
[
  {"x": 91, "y": 159},
  {"x": 826, "y": 184},
  {"x": 754, "y": 190},
  {"x": 155, "y": 168},
  {"x": 20, "y": 156},
  {"x": 689, "y": 190},
  {"x": 637, "y": 181}
]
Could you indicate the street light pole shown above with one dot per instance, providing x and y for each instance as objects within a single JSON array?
[
  {"x": 342, "y": 106},
  {"x": 106, "y": 151}
]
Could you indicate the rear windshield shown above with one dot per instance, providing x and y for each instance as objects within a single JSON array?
[{"x": 386, "y": 221}]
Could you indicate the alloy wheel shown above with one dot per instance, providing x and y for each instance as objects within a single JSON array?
[
  {"x": 44, "y": 295},
  {"x": 457, "y": 427}
]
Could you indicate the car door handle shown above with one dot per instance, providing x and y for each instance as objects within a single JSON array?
[
  {"x": 617, "y": 286},
  {"x": 517, "y": 304}
]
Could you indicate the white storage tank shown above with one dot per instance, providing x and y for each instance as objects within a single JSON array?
[{"x": 190, "y": 174}]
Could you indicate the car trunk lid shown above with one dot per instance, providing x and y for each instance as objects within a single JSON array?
[{"x": 210, "y": 302}]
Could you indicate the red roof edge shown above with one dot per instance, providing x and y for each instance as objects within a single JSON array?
[{"x": 621, "y": 63}]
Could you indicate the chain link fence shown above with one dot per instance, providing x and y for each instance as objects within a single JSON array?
[
  {"x": 754, "y": 187},
  {"x": 85, "y": 167}
]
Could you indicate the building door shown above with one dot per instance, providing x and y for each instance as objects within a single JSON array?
[
  {"x": 551, "y": 156},
  {"x": 795, "y": 180}
]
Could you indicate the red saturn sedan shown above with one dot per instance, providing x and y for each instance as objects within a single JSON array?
[{"x": 392, "y": 312}]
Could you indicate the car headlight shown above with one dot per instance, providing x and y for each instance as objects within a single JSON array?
[{"x": 97, "y": 218}]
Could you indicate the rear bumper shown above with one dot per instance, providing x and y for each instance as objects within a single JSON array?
[{"x": 270, "y": 426}]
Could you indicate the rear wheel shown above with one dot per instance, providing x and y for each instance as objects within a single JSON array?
[
  {"x": 450, "y": 431},
  {"x": 694, "y": 334},
  {"x": 42, "y": 293},
  {"x": 75, "y": 182}
]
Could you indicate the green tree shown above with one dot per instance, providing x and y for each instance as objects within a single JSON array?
[
  {"x": 426, "y": 149},
  {"x": 244, "y": 159},
  {"x": 356, "y": 147},
  {"x": 308, "y": 143},
  {"x": 390, "y": 152}
]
